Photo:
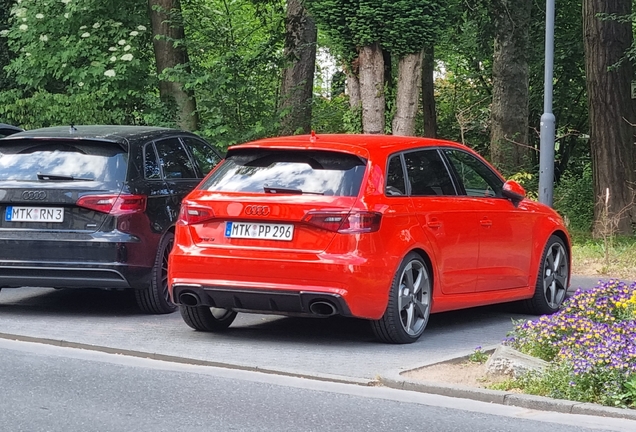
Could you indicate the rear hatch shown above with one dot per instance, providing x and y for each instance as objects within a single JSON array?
[
  {"x": 294, "y": 200},
  {"x": 51, "y": 185}
]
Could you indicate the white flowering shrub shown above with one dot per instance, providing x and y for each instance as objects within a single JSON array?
[{"x": 97, "y": 53}]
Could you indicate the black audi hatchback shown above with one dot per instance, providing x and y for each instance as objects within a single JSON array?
[{"x": 95, "y": 206}]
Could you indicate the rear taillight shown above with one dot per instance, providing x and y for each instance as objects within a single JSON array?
[
  {"x": 193, "y": 214},
  {"x": 355, "y": 222},
  {"x": 114, "y": 204}
]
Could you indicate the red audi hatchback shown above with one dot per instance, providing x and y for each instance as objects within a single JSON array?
[{"x": 384, "y": 228}]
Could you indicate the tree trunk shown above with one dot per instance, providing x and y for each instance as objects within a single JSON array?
[
  {"x": 428, "y": 92},
  {"x": 509, "y": 149},
  {"x": 298, "y": 76},
  {"x": 165, "y": 31},
  {"x": 353, "y": 90},
  {"x": 408, "y": 92},
  {"x": 372, "y": 89},
  {"x": 610, "y": 106}
]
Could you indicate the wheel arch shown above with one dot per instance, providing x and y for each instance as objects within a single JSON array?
[{"x": 429, "y": 263}]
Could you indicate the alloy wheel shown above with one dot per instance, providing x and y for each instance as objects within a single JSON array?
[
  {"x": 555, "y": 275},
  {"x": 414, "y": 297}
]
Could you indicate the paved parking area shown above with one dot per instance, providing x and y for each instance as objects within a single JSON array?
[{"x": 332, "y": 348}]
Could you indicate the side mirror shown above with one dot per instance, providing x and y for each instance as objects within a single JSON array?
[{"x": 514, "y": 191}]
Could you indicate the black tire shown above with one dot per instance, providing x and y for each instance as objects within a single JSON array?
[
  {"x": 552, "y": 279},
  {"x": 207, "y": 319},
  {"x": 155, "y": 299},
  {"x": 409, "y": 305}
]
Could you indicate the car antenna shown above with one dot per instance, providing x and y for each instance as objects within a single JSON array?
[
  {"x": 72, "y": 129},
  {"x": 313, "y": 136}
]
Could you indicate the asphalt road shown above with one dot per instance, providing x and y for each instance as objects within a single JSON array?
[
  {"x": 334, "y": 349},
  {"x": 46, "y": 388}
]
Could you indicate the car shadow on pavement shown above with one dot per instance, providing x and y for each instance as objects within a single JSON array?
[
  {"x": 340, "y": 329},
  {"x": 71, "y": 302}
]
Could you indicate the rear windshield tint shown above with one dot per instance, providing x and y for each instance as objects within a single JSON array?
[
  {"x": 42, "y": 160},
  {"x": 285, "y": 171}
]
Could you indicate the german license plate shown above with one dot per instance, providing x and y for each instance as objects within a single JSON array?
[
  {"x": 259, "y": 231},
  {"x": 34, "y": 214}
]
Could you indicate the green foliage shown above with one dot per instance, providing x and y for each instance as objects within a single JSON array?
[
  {"x": 463, "y": 87},
  {"x": 96, "y": 55},
  {"x": 478, "y": 356},
  {"x": 530, "y": 183},
  {"x": 328, "y": 114},
  {"x": 353, "y": 120},
  {"x": 5, "y": 53},
  {"x": 574, "y": 199},
  {"x": 236, "y": 54},
  {"x": 400, "y": 27}
]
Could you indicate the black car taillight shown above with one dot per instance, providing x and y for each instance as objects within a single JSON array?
[
  {"x": 191, "y": 214},
  {"x": 114, "y": 204},
  {"x": 355, "y": 222}
]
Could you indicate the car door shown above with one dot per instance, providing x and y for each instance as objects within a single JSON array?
[
  {"x": 158, "y": 205},
  {"x": 447, "y": 219},
  {"x": 204, "y": 156},
  {"x": 505, "y": 230},
  {"x": 178, "y": 171}
]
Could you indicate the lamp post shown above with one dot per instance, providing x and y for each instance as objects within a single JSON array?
[{"x": 546, "y": 155}]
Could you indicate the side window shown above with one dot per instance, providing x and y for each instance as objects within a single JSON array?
[
  {"x": 151, "y": 164},
  {"x": 477, "y": 178},
  {"x": 395, "y": 184},
  {"x": 175, "y": 162},
  {"x": 204, "y": 155},
  {"x": 427, "y": 174}
]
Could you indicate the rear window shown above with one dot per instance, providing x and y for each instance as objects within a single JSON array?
[
  {"x": 285, "y": 171},
  {"x": 59, "y": 160}
]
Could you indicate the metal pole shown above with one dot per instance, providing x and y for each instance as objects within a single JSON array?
[{"x": 546, "y": 157}]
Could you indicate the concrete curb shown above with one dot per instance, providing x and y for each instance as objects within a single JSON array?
[
  {"x": 394, "y": 379},
  {"x": 186, "y": 360}
]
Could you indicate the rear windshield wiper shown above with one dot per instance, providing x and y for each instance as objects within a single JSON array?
[
  {"x": 57, "y": 177},
  {"x": 291, "y": 191}
]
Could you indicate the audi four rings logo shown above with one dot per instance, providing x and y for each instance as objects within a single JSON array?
[
  {"x": 256, "y": 210},
  {"x": 33, "y": 195}
]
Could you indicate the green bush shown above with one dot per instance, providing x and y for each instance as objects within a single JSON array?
[{"x": 574, "y": 200}]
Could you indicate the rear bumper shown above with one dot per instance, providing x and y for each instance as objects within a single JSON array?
[
  {"x": 265, "y": 301},
  {"x": 73, "y": 275},
  {"x": 75, "y": 260},
  {"x": 263, "y": 281}
]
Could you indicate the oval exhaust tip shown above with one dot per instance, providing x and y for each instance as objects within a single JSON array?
[
  {"x": 189, "y": 299},
  {"x": 322, "y": 308}
]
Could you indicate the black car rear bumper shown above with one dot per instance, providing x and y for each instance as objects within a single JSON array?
[
  {"x": 73, "y": 275},
  {"x": 67, "y": 260}
]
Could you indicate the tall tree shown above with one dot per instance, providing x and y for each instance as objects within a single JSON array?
[
  {"x": 298, "y": 75},
  {"x": 611, "y": 113},
  {"x": 509, "y": 149},
  {"x": 171, "y": 53},
  {"x": 366, "y": 33}
]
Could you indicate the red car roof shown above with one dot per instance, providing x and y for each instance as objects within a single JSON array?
[{"x": 358, "y": 144}]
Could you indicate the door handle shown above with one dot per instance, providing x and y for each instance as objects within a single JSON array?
[
  {"x": 434, "y": 223},
  {"x": 485, "y": 222}
]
